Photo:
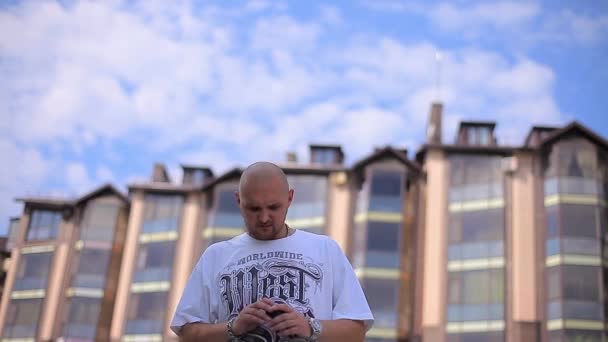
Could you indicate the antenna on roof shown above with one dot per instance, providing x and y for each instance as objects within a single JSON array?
[{"x": 438, "y": 60}]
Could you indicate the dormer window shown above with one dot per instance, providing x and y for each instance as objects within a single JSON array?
[
  {"x": 326, "y": 154},
  {"x": 476, "y": 134},
  {"x": 479, "y": 136},
  {"x": 195, "y": 175}
]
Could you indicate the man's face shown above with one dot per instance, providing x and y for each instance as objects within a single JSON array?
[{"x": 264, "y": 208}]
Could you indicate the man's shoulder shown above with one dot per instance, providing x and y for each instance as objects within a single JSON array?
[
  {"x": 317, "y": 238},
  {"x": 221, "y": 246}
]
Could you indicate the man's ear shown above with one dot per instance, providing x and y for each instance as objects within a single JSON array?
[
  {"x": 237, "y": 197},
  {"x": 290, "y": 196}
]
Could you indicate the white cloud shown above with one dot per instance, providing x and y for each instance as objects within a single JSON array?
[
  {"x": 499, "y": 14},
  {"x": 569, "y": 26},
  {"x": 283, "y": 32},
  {"x": 105, "y": 175},
  {"x": 77, "y": 177},
  {"x": 520, "y": 23},
  {"x": 395, "y": 6},
  {"x": 331, "y": 15},
  {"x": 194, "y": 85},
  {"x": 24, "y": 170}
]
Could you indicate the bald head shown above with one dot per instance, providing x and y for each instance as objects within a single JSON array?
[
  {"x": 263, "y": 173},
  {"x": 264, "y": 198}
]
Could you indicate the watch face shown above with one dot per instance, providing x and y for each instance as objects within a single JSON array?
[{"x": 316, "y": 328}]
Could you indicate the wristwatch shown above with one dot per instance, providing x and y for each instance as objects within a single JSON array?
[
  {"x": 316, "y": 327},
  {"x": 231, "y": 335}
]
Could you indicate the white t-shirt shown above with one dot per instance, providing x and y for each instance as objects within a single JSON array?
[{"x": 305, "y": 270}]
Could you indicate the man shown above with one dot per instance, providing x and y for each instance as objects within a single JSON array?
[{"x": 272, "y": 283}]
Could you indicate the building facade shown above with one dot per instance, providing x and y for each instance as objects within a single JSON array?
[{"x": 462, "y": 242}]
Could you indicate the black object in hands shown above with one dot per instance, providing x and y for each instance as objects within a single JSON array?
[{"x": 275, "y": 313}]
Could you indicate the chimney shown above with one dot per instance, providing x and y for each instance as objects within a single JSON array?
[
  {"x": 160, "y": 175},
  {"x": 292, "y": 157},
  {"x": 433, "y": 130}
]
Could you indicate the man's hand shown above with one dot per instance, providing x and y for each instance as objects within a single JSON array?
[
  {"x": 290, "y": 323},
  {"x": 251, "y": 316}
]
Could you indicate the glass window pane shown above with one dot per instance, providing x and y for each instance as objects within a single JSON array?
[
  {"x": 581, "y": 283},
  {"x": 44, "y": 225},
  {"x": 383, "y": 236},
  {"x": 162, "y": 213},
  {"x": 482, "y": 225},
  {"x": 146, "y": 313},
  {"x": 383, "y": 300},
  {"x": 156, "y": 254},
  {"x": 226, "y": 202},
  {"x": 552, "y": 219},
  {"x": 386, "y": 183},
  {"x": 100, "y": 222},
  {"x": 554, "y": 282},
  {"x": 579, "y": 220}
]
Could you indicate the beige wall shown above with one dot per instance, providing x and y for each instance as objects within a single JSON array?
[
  {"x": 524, "y": 272},
  {"x": 8, "y": 287},
  {"x": 434, "y": 286},
  {"x": 188, "y": 235},
  {"x": 55, "y": 290},
  {"x": 339, "y": 209},
  {"x": 12, "y": 271},
  {"x": 126, "y": 266}
]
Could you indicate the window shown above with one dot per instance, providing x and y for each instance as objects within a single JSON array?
[
  {"x": 226, "y": 202},
  {"x": 226, "y": 213},
  {"x": 581, "y": 283},
  {"x": 383, "y": 236},
  {"x": 194, "y": 176},
  {"x": 93, "y": 260},
  {"x": 84, "y": 310},
  {"x": 479, "y": 135},
  {"x": 552, "y": 219},
  {"x": 496, "y": 336},
  {"x": 162, "y": 213},
  {"x": 324, "y": 156},
  {"x": 554, "y": 282},
  {"x": 476, "y": 295},
  {"x": 386, "y": 183},
  {"x": 44, "y": 225},
  {"x": 582, "y": 336},
  {"x": 474, "y": 169},
  {"x": 156, "y": 254},
  {"x": 478, "y": 225},
  {"x": 22, "y": 318},
  {"x": 383, "y": 299},
  {"x": 99, "y": 222},
  {"x": 13, "y": 231},
  {"x": 310, "y": 196},
  {"x": 579, "y": 220},
  {"x": 155, "y": 261},
  {"x": 146, "y": 313},
  {"x": 576, "y": 158},
  {"x": 33, "y": 271}
]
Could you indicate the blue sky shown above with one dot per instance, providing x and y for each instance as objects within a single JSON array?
[{"x": 93, "y": 92}]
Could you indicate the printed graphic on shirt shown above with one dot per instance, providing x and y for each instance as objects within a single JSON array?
[{"x": 281, "y": 276}]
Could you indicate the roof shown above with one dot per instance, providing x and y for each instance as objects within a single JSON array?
[
  {"x": 574, "y": 127},
  {"x": 47, "y": 201},
  {"x": 386, "y": 152},
  {"x": 164, "y": 187},
  {"x": 478, "y": 123},
  {"x": 106, "y": 188},
  {"x": 196, "y": 167},
  {"x": 537, "y": 129},
  {"x": 230, "y": 174},
  {"x": 471, "y": 149}
]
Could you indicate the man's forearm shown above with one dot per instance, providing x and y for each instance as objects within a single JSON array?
[
  {"x": 342, "y": 330},
  {"x": 195, "y": 332}
]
